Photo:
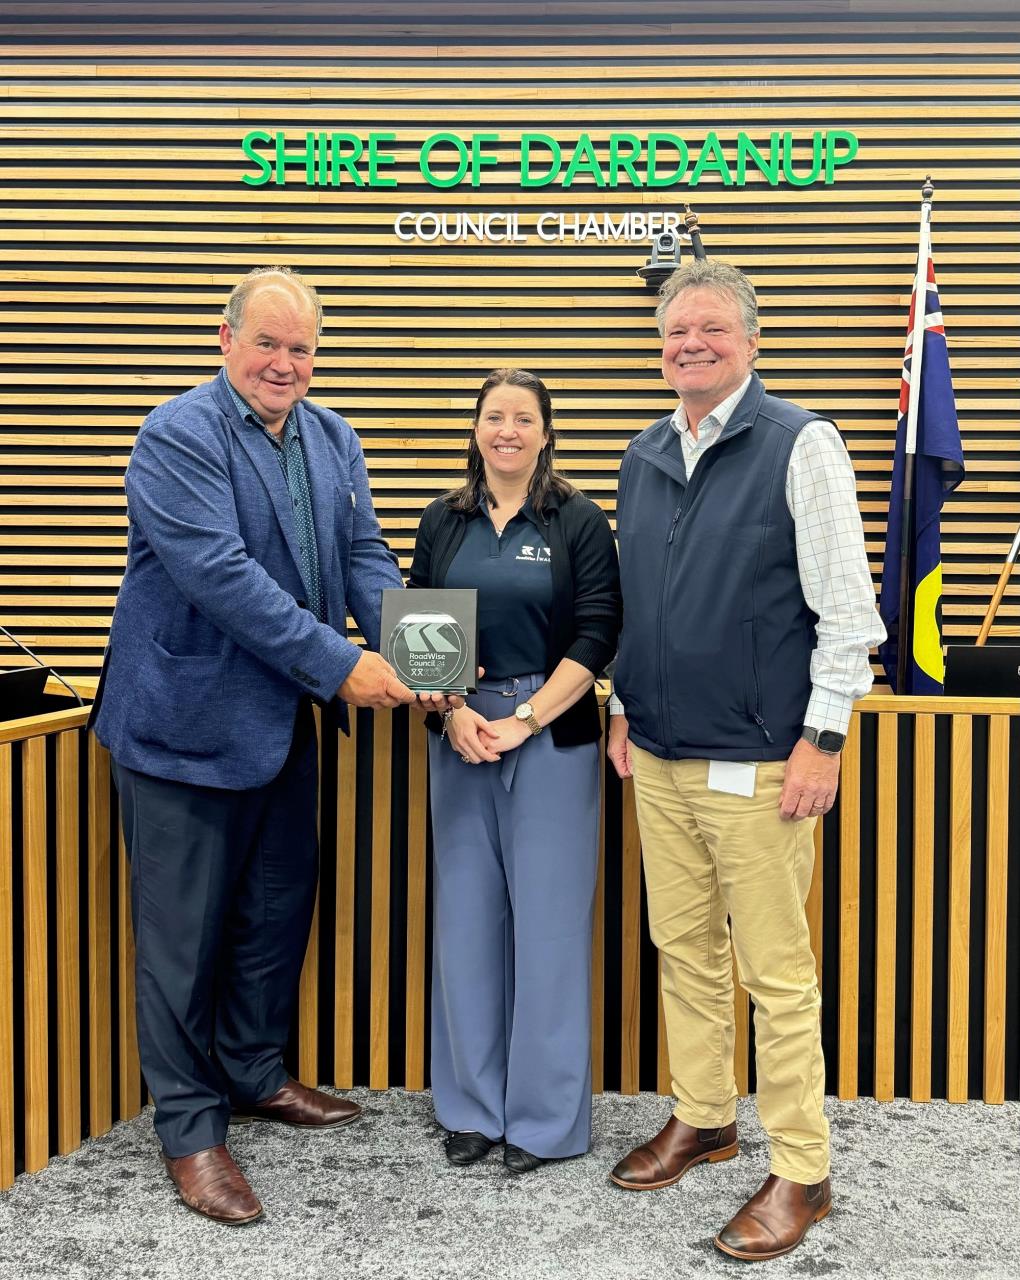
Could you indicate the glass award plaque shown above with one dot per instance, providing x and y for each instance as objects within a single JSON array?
[{"x": 430, "y": 638}]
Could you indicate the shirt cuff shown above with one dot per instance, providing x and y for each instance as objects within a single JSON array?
[
  {"x": 615, "y": 706},
  {"x": 828, "y": 710}
]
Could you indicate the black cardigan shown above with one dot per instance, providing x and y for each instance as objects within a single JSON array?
[{"x": 586, "y": 606}]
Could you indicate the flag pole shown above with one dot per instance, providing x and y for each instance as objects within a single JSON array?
[
  {"x": 694, "y": 231},
  {"x": 1000, "y": 588},
  {"x": 905, "y": 629}
]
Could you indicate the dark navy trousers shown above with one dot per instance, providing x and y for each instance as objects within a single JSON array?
[
  {"x": 515, "y": 857},
  {"x": 222, "y": 893}
]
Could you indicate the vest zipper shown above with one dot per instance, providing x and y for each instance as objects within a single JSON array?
[
  {"x": 761, "y": 725},
  {"x": 756, "y": 710},
  {"x": 663, "y": 678}
]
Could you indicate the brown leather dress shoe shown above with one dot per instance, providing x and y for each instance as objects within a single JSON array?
[
  {"x": 305, "y": 1108},
  {"x": 775, "y": 1219},
  {"x": 671, "y": 1153},
  {"x": 211, "y": 1184}
]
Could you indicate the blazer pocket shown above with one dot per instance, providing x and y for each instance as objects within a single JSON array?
[
  {"x": 177, "y": 702},
  {"x": 188, "y": 633}
]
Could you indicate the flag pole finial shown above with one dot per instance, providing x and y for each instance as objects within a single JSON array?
[{"x": 927, "y": 191}]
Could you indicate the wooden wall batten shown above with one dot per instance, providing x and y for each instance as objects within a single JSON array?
[{"x": 123, "y": 223}]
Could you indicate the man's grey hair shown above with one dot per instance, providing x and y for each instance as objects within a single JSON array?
[
  {"x": 719, "y": 276},
  {"x": 233, "y": 312}
]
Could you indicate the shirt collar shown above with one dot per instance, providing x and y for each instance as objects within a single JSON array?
[
  {"x": 527, "y": 510},
  {"x": 248, "y": 414},
  {"x": 717, "y": 418}
]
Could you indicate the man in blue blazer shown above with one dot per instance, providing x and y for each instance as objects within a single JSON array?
[{"x": 251, "y": 536}]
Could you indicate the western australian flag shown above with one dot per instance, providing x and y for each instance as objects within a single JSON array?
[{"x": 938, "y": 469}]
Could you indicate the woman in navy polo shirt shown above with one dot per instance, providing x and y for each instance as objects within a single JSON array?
[{"x": 515, "y": 776}]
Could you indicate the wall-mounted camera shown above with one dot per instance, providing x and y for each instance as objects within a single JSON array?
[
  {"x": 666, "y": 248},
  {"x": 665, "y": 258}
]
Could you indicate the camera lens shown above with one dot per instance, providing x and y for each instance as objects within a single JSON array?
[{"x": 665, "y": 240}]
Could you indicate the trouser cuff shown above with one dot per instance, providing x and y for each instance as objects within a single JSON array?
[
  {"x": 705, "y": 1119},
  {"x": 178, "y": 1141},
  {"x": 805, "y": 1175}
]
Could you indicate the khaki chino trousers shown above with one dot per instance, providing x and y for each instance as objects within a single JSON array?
[{"x": 709, "y": 855}]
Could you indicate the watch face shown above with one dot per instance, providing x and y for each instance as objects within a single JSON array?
[
  {"x": 524, "y": 711},
  {"x": 830, "y": 740}
]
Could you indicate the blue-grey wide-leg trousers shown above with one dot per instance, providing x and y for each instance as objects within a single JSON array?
[{"x": 515, "y": 863}]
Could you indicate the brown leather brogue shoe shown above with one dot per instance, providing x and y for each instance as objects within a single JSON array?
[
  {"x": 210, "y": 1183},
  {"x": 305, "y": 1108},
  {"x": 671, "y": 1153},
  {"x": 775, "y": 1219}
]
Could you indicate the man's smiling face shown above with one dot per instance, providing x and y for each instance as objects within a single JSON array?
[
  {"x": 269, "y": 358},
  {"x": 706, "y": 352}
]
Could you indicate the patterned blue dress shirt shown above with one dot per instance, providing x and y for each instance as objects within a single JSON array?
[{"x": 295, "y": 472}]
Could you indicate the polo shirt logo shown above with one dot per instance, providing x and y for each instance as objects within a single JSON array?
[{"x": 537, "y": 555}]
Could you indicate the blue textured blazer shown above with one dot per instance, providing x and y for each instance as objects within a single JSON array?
[{"x": 210, "y": 649}]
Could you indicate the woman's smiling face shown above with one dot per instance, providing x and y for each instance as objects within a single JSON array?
[{"x": 510, "y": 433}]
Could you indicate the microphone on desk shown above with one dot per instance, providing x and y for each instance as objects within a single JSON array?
[{"x": 35, "y": 658}]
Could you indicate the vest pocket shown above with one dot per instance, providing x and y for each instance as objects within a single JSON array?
[
  {"x": 751, "y": 693},
  {"x": 752, "y": 687}
]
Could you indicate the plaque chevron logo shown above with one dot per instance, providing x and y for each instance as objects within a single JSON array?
[
  {"x": 429, "y": 637},
  {"x": 428, "y": 650}
]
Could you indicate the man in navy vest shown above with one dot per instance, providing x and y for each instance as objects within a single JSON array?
[
  {"x": 748, "y": 614},
  {"x": 251, "y": 535}
]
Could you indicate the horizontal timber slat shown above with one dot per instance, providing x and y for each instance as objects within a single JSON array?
[{"x": 126, "y": 223}]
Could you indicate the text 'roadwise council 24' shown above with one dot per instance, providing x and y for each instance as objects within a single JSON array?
[{"x": 446, "y": 160}]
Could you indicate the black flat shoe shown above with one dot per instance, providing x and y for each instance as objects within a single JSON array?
[
  {"x": 466, "y": 1148},
  {"x": 517, "y": 1160}
]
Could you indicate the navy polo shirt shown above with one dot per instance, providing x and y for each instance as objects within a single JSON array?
[{"x": 513, "y": 575}]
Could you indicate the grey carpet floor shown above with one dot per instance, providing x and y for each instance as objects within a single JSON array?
[{"x": 927, "y": 1190}]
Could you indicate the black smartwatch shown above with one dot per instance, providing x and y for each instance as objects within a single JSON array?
[{"x": 826, "y": 740}]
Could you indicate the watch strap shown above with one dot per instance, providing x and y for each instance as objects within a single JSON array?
[
  {"x": 530, "y": 719},
  {"x": 827, "y": 741}
]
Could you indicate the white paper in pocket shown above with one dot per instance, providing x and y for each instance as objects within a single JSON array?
[{"x": 735, "y": 777}]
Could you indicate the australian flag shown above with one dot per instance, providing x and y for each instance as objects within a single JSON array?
[{"x": 938, "y": 469}]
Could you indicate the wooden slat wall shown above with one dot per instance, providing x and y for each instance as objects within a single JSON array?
[
  {"x": 123, "y": 224},
  {"x": 349, "y": 1039},
  {"x": 461, "y": 25}
]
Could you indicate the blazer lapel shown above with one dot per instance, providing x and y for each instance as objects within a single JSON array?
[
  {"x": 322, "y": 485},
  {"x": 260, "y": 451}
]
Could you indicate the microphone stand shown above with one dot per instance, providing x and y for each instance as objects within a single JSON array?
[{"x": 35, "y": 658}]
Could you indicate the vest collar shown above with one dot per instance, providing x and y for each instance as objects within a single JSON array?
[
  {"x": 661, "y": 446},
  {"x": 748, "y": 408}
]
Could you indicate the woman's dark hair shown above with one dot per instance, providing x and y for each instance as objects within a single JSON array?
[{"x": 546, "y": 480}]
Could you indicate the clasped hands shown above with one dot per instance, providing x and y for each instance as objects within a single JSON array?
[{"x": 480, "y": 741}]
